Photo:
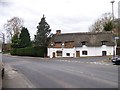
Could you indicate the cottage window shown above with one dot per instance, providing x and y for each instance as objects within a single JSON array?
[
  {"x": 58, "y": 44},
  {"x": 84, "y": 52},
  {"x": 67, "y": 54},
  {"x": 84, "y": 43},
  {"x": 59, "y": 53},
  {"x": 103, "y": 42},
  {"x": 69, "y": 44}
]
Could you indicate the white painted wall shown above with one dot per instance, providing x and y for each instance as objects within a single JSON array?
[
  {"x": 64, "y": 50},
  {"x": 68, "y": 50},
  {"x": 92, "y": 51},
  {"x": 95, "y": 51}
]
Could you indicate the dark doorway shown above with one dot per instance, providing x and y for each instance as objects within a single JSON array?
[
  {"x": 104, "y": 53},
  {"x": 53, "y": 54},
  {"x": 77, "y": 53}
]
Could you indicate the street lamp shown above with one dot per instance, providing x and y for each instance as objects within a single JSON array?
[
  {"x": 62, "y": 48},
  {"x": 114, "y": 51},
  {"x": 112, "y": 9}
]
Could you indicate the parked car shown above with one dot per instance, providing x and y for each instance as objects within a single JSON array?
[{"x": 116, "y": 60}]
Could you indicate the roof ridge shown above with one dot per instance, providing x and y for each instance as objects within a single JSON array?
[{"x": 108, "y": 32}]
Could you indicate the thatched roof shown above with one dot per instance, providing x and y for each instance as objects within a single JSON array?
[{"x": 91, "y": 39}]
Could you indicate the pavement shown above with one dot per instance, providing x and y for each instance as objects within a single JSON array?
[
  {"x": 0, "y": 83},
  {"x": 13, "y": 79}
]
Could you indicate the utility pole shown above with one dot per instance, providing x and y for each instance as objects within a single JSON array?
[
  {"x": 114, "y": 49},
  {"x": 112, "y": 9}
]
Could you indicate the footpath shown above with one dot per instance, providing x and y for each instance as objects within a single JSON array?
[{"x": 13, "y": 79}]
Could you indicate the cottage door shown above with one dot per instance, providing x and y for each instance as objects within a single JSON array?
[
  {"x": 77, "y": 53},
  {"x": 104, "y": 53},
  {"x": 53, "y": 54}
]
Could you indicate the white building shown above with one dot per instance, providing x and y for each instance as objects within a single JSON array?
[{"x": 81, "y": 44}]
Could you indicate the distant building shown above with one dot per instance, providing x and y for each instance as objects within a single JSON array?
[
  {"x": 81, "y": 44},
  {"x": 6, "y": 47},
  {"x": 117, "y": 21},
  {"x": 117, "y": 24}
]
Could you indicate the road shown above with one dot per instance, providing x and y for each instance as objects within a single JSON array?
[{"x": 65, "y": 73}]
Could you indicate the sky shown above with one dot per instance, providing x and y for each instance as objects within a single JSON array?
[{"x": 65, "y": 15}]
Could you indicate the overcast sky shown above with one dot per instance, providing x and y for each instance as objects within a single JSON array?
[{"x": 66, "y": 15}]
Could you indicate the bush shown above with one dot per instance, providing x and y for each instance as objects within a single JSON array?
[
  {"x": 30, "y": 51},
  {"x": 6, "y": 51},
  {"x": 13, "y": 52}
]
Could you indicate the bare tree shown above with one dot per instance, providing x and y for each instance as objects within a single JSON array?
[
  {"x": 96, "y": 27},
  {"x": 105, "y": 23},
  {"x": 13, "y": 26}
]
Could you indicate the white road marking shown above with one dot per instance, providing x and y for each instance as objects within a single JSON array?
[{"x": 72, "y": 61}]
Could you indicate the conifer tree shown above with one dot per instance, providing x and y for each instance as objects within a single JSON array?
[
  {"x": 43, "y": 33},
  {"x": 24, "y": 38},
  {"x": 15, "y": 41}
]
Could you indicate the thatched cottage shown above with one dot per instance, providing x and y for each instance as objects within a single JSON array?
[{"x": 81, "y": 44}]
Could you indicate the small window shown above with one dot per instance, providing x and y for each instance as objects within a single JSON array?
[
  {"x": 84, "y": 52},
  {"x": 84, "y": 43},
  {"x": 59, "y": 53},
  {"x": 67, "y": 54},
  {"x": 103, "y": 42}
]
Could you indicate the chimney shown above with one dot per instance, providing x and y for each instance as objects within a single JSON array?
[{"x": 58, "y": 32}]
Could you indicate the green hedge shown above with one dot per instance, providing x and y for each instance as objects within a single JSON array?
[
  {"x": 13, "y": 52},
  {"x": 30, "y": 51}
]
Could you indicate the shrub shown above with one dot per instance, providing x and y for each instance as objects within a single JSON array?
[
  {"x": 40, "y": 51},
  {"x": 6, "y": 51},
  {"x": 30, "y": 51},
  {"x": 13, "y": 52}
]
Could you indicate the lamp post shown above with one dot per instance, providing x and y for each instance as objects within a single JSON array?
[
  {"x": 112, "y": 9},
  {"x": 62, "y": 49},
  {"x": 114, "y": 49}
]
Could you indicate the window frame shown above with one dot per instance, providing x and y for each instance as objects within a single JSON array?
[
  {"x": 59, "y": 53},
  {"x": 67, "y": 54},
  {"x": 84, "y": 43},
  {"x": 84, "y": 52},
  {"x": 104, "y": 42}
]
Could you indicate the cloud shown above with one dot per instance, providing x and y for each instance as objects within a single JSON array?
[
  {"x": 4, "y": 3},
  {"x": 67, "y": 15}
]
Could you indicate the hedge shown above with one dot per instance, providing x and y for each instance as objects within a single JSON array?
[{"x": 30, "y": 51}]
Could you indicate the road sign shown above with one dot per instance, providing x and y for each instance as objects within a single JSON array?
[{"x": 116, "y": 38}]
